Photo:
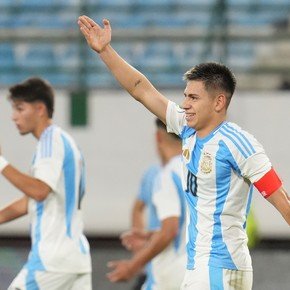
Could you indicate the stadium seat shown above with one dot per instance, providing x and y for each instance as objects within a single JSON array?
[{"x": 7, "y": 55}]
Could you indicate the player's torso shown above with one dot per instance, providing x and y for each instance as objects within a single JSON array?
[
  {"x": 217, "y": 196},
  {"x": 56, "y": 222}
]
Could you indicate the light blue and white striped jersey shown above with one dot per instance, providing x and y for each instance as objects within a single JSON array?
[
  {"x": 58, "y": 242},
  {"x": 145, "y": 195},
  {"x": 167, "y": 269},
  {"x": 218, "y": 174}
]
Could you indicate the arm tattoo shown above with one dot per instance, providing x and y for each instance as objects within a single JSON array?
[{"x": 137, "y": 83}]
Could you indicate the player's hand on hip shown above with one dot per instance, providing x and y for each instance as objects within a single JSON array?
[{"x": 97, "y": 37}]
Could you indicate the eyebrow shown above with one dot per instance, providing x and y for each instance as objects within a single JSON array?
[{"x": 190, "y": 95}]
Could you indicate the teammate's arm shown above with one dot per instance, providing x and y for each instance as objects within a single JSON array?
[
  {"x": 125, "y": 269},
  {"x": 29, "y": 185},
  {"x": 281, "y": 201},
  {"x": 15, "y": 210},
  {"x": 137, "y": 85}
]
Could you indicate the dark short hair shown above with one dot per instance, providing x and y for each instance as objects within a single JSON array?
[
  {"x": 34, "y": 90},
  {"x": 215, "y": 76},
  {"x": 161, "y": 125}
]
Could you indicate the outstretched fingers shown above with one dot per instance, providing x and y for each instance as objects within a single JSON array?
[{"x": 88, "y": 22}]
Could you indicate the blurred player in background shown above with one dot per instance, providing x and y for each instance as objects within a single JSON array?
[
  {"x": 164, "y": 246},
  {"x": 222, "y": 162},
  {"x": 60, "y": 256},
  {"x": 143, "y": 214}
]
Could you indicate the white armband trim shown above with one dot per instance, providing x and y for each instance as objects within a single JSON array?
[{"x": 3, "y": 163}]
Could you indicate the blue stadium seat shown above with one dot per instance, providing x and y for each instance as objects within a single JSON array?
[
  {"x": 7, "y": 55},
  {"x": 39, "y": 55}
]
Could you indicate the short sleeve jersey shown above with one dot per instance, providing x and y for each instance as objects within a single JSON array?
[
  {"x": 218, "y": 174},
  {"x": 169, "y": 201},
  {"x": 58, "y": 242}
]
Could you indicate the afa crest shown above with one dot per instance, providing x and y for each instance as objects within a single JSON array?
[{"x": 206, "y": 163}]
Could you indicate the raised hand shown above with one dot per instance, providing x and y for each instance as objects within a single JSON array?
[{"x": 97, "y": 37}]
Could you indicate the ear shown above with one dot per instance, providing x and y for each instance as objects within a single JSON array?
[
  {"x": 221, "y": 102},
  {"x": 41, "y": 108}
]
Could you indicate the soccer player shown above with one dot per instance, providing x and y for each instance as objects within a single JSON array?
[
  {"x": 164, "y": 246},
  {"x": 52, "y": 193},
  {"x": 221, "y": 161}
]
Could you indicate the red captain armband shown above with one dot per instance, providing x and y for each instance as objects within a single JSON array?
[{"x": 269, "y": 183}]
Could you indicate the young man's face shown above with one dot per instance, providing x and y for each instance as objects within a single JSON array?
[
  {"x": 198, "y": 105},
  {"x": 25, "y": 116}
]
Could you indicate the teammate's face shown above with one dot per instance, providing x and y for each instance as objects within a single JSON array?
[
  {"x": 25, "y": 116},
  {"x": 199, "y": 107}
]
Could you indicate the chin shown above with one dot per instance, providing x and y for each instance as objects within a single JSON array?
[
  {"x": 191, "y": 124},
  {"x": 23, "y": 133}
]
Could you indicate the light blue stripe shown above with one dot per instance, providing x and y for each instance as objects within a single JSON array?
[
  {"x": 46, "y": 143},
  {"x": 216, "y": 278},
  {"x": 239, "y": 138},
  {"x": 145, "y": 190},
  {"x": 244, "y": 137},
  {"x": 181, "y": 195},
  {"x": 219, "y": 254},
  {"x": 232, "y": 139},
  {"x": 249, "y": 204},
  {"x": 69, "y": 180},
  {"x": 42, "y": 155},
  {"x": 82, "y": 247},
  {"x": 150, "y": 281},
  {"x": 145, "y": 195},
  {"x": 34, "y": 261},
  {"x": 192, "y": 230},
  {"x": 30, "y": 281},
  {"x": 192, "y": 204}
]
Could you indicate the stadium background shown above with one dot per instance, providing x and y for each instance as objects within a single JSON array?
[{"x": 162, "y": 38}]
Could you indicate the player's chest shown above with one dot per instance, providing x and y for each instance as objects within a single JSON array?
[{"x": 205, "y": 160}]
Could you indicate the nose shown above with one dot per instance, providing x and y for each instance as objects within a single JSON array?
[
  {"x": 185, "y": 104},
  {"x": 14, "y": 116}
]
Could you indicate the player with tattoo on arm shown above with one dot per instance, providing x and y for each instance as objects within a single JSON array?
[{"x": 222, "y": 163}]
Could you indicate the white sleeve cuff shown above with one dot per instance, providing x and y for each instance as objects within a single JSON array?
[{"x": 3, "y": 163}]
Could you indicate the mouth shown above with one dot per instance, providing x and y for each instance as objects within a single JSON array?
[{"x": 189, "y": 117}]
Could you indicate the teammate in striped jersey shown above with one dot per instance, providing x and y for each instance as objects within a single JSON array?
[
  {"x": 221, "y": 164},
  {"x": 143, "y": 205},
  {"x": 164, "y": 244},
  {"x": 60, "y": 256}
]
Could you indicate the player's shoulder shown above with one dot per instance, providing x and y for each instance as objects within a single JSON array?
[
  {"x": 238, "y": 138},
  {"x": 229, "y": 130},
  {"x": 174, "y": 165}
]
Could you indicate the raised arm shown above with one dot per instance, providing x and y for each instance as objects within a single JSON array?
[{"x": 137, "y": 85}]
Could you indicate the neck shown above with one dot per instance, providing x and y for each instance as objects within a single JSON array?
[
  {"x": 41, "y": 127},
  {"x": 169, "y": 153},
  {"x": 202, "y": 133}
]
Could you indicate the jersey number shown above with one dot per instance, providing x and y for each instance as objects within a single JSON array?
[{"x": 191, "y": 183}]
